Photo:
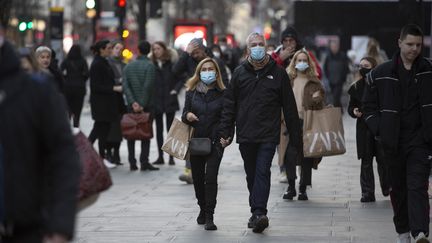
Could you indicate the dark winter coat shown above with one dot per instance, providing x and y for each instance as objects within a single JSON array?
[
  {"x": 208, "y": 108},
  {"x": 165, "y": 82},
  {"x": 41, "y": 165},
  {"x": 382, "y": 102},
  {"x": 103, "y": 99},
  {"x": 364, "y": 142},
  {"x": 253, "y": 102},
  {"x": 336, "y": 68},
  {"x": 76, "y": 73}
]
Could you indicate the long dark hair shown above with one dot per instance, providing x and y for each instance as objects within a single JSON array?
[
  {"x": 98, "y": 46},
  {"x": 74, "y": 53},
  {"x": 166, "y": 56}
]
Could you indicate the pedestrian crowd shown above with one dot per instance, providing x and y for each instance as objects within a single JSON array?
[{"x": 270, "y": 101}]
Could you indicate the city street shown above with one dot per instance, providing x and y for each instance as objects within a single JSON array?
[{"x": 156, "y": 207}]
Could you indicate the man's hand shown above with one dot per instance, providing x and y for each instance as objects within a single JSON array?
[
  {"x": 55, "y": 238},
  {"x": 191, "y": 117},
  {"x": 287, "y": 52},
  {"x": 357, "y": 112},
  {"x": 173, "y": 92},
  {"x": 225, "y": 142},
  {"x": 136, "y": 107},
  {"x": 191, "y": 47}
]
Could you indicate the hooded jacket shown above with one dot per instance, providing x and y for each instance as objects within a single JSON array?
[{"x": 41, "y": 164}]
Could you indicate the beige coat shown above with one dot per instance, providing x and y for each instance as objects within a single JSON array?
[{"x": 313, "y": 99}]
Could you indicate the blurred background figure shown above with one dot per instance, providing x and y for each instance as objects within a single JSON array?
[
  {"x": 39, "y": 166},
  {"x": 367, "y": 146},
  {"x": 373, "y": 50},
  {"x": 75, "y": 70},
  {"x": 28, "y": 62},
  {"x": 166, "y": 88},
  {"x": 103, "y": 96},
  {"x": 336, "y": 69},
  {"x": 115, "y": 136}
]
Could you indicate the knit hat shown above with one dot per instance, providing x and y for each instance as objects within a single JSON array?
[
  {"x": 289, "y": 32},
  {"x": 198, "y": 41}
]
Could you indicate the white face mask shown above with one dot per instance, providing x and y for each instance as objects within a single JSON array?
[
  {"x": 216, "y": 54},
  {"x": 302, "y": 66}
]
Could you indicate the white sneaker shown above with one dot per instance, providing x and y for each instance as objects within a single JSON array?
[
  {"x": 283, "y": 177},
  {"x": 421, "y": 238},
  {"x": 404, "y": 238},
  {"x": 108, "y": 164}
]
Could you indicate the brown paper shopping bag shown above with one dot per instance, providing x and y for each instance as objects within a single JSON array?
[
  {"x": 177, "y": 142},
  {"x": 323, "y": 133}
]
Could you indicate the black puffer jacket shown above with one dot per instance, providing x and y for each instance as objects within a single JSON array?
[
  {"x": 208, "y": 108},
  {"x": 253, "y": 102},
  {"x": 42, "y": 168},
  {"x": 383, "y": 101}
]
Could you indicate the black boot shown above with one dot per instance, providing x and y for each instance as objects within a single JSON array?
[
  {"x": 201, "y": 219},
  {"x": 159, "y": 161},
  {"x": 171, "y": 161},
  {"x": 209, "y": 224},
  {"x": 302, "y": 195},
  {"x": 291, "y": 191},
  {"x": 148, "y": 166}
]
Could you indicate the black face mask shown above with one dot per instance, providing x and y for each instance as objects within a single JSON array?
[{"x": 364, "y": 71}]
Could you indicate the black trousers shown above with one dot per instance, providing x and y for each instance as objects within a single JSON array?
[
  {"x": 336, "y": 90},
  {"x": 205, "y": 171},
  {"x": 100, "y": 132},
  {"x": 409, "y": 179},
  {"x": 367, "y": 179},
  {"x": 145, "y": 150},
  {"x": 257, "y": 159},
  {"x": 159, "y": 129},
  {"x": 75, "y": 100}
]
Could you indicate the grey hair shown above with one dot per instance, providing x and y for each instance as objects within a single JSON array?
[
  {"x": 254, "y": 35},
  {"x": 42, "y": 49}
]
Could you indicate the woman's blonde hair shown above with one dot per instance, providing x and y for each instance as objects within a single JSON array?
[
  {"x": 311, "y": 72},
  {"x": 192, "y": 82}
]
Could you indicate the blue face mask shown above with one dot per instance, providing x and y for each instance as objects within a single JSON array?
[
  {"x": 208, "y": 77},
  {"x": 257, "y": 52},
  {"x": 302, "y": 66}
]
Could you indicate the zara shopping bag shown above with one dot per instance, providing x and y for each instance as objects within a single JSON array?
[
  {"x": 177, "y": 142},
  {"x": 323, "y": 133}
]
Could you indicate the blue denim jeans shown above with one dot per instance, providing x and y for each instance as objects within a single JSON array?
[{"x": 257, "y": 159}]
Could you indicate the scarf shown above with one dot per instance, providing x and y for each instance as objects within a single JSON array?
[
  {"x": 260, "y": 64},
  {"x": 203, "y": 88}
]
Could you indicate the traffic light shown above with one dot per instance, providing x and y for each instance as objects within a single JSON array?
[
  {"x": 92, "y": 8},
  {"x": 121, "y": 8},
  {"x": 23, "y": 26}
]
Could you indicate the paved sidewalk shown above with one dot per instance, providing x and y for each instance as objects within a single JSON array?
[{"x": 156, "y": 207}]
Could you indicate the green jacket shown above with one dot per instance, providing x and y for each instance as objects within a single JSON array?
[{"x": 138, "y": 81}]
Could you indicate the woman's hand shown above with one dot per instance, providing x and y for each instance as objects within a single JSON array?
[
  {"x": 191, "y": 117},
  {"x": 357, "y": 112}
]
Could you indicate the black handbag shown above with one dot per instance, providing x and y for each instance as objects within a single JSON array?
[{"x": 200, "y": 146}]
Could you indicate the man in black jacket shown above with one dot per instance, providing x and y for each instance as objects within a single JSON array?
[
  {"x": 258, "y": 90},
  {"x": 398, "y": 110},
  {"x": 40, "y": 167}
]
